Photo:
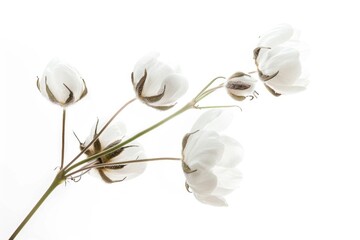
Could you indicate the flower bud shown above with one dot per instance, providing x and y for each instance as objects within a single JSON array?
[
  {"x": 279, "y": 61},
  {"x": 210, "y": 159},
  {"x": 61, "y": 83},
  {"x": 112, "y": 136},
  {"x": 156, "y": 83},
  {"x": 240, "y": 86}
]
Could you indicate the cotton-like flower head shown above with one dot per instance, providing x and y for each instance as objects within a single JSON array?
[
  {"x": 112, "y": 136},
  {"x": 61, "y": 83},
  {"x": 210, "y": 159},
  {"x": 240, "y": 86},
  {"x": 279, "y": 61},
  {"x": 157, "y": 84}
]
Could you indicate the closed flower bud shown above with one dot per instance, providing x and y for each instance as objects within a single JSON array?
[
  {"x": 241, "y": 85},
  {"x": 157, "y": 84},
  {"x": 279, "y": 61},
  {"x": 210, "y": 159},
  {"x": 112, "y": 136},
  {"x": 61, "y": 83}
]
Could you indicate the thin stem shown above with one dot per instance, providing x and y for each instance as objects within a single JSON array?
[
  {"x": 222, "y": 106},
  {"x": 208, "y": 92},
  {"x": 101, "y": 131},
  {"x": 208, "y": 85},
  {"x": 101, "y": 165},
  {"x": 63, "y": 139},
  {"x": 58, "y": 180},
  {"x": 118, "y": 146}
]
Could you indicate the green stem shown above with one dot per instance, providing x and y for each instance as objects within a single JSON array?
[
  {"x": 104, "y": 165},
  {"x": 58, "y": 180},
  {"x": 114, "y": 148},
  {"x": 220, "y": 106},
  {"x": 208, "y": 85},
  {"x": 63, "y": 138}
]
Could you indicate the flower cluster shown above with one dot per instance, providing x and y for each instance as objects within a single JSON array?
[{"x": 209, "y": 159}]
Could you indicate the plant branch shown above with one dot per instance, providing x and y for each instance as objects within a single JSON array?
[{"x": 188, "y": 106}]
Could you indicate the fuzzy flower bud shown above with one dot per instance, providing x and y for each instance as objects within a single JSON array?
[
  {"x": 210, "y": 159},
  {"x": 61, "y": 83},
  {"x": 156, "y": 83},
  {"x": 279, "y": 61},
  {"x": 240, "y": 86},
  {"x": 112, "y": 136}
]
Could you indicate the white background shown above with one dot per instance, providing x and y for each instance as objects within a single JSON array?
[{"x": 301, "y": 171}]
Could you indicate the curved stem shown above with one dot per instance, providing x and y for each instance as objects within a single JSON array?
[
  {"x": 208, "y": 85},
  {"x": 63, "y": 139},
  {"x": 101, "y": 165},
  {"x": 188, "y": 106},
  {"x": 208, "y": 92},
  {"x": 101, "y": 131},
  {"x": 57, "y": 181},
  {"x": 219, "y": 106}
]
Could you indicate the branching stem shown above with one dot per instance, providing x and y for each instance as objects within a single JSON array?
[
  {"x": 102, "y": 165},
  {"x": 100, "y": 132}
]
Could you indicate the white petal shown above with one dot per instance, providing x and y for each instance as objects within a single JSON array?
[
  {"x": 213, "y": 120},
  {"x": 155, "y": 80},
  {"x": 233, "y": 152},
  {"x": 176, "y": 87},
  {"x": 276, "y": 36},
  {"x": 212, "y": 200},
  {"x": 228, "y": 180},
  {"x": 286, "y": 89},
  {"x": 201, "y": 181},
  {"x": 145, "y": 62},
  {"x": 112, "y": 133},
  {"x": 130, "y": 170},
  {"x": 277, "y": 55},
  {"x": 203, "y": 150},
  {"x": 57, "y": 74},
  {"x": 287, "y": 64}
]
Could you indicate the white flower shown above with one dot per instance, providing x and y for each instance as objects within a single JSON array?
[
  {"x": 279, "y": 61},
  {"x": 209, "y": 159},
  {"x": 112, "y": 136},
  {"x": 241, "y": 85},
  {"x": 157, "y": 84},
  {"x": 61, "y": 83}
]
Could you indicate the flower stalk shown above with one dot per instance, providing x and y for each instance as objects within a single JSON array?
[
  {"x": 114, "y": 164},
  {"x": 63, "y": 139},
  {"x": 56, "y": 182}
]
